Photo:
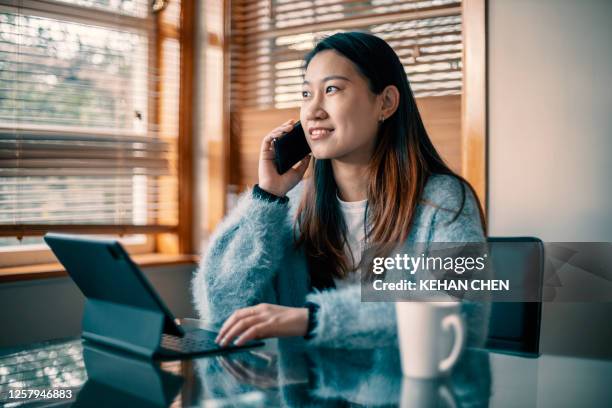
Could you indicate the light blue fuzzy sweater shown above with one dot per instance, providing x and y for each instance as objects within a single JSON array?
[{"x": 251, "y": 259}]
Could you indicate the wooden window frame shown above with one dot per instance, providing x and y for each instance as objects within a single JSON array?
[
  {"x": 217, "y": 144},
  {"x": 474, "y": 98},
  {"x": 37, "y": 254}
]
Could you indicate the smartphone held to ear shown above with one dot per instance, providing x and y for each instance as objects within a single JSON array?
[{"x": 290, "y": 148}]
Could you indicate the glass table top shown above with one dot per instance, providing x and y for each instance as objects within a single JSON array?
[{"x": 287, "y": 373}]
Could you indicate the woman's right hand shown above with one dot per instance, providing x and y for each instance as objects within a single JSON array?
[{"x": 269, "y": 179}]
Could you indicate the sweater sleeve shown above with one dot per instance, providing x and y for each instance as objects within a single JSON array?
[
  {"x": 344, "y": 321},
  {"x": 241, "y": 259}
]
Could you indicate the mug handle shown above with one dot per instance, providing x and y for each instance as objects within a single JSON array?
[{"x": 456, "y": 323}]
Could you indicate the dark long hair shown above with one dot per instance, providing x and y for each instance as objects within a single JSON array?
[{"x": 402, "y": 161}]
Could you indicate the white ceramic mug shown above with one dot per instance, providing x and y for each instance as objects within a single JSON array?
[{"x": 431, "y": 336}]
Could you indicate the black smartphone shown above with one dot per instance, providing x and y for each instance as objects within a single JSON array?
[{"x": 290, "y": 148}]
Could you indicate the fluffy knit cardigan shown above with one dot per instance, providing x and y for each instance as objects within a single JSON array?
[{"x": 251, "y": 259}]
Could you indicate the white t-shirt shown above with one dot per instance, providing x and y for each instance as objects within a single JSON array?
[{"x": 353, "y": 212}]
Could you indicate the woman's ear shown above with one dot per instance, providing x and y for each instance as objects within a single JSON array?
[{"x": 390, "y": 101}]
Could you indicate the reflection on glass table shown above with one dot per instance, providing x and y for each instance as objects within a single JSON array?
[
  {"x": 51, "y": 365},
  {"x": 286, "y": 373},
  {"x": 323, "y": 377}
]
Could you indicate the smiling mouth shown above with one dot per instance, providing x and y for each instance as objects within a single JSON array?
[{"x": 317, "y": 134}]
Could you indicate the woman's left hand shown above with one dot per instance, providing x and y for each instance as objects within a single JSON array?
[{"x": 262, "y": 321}]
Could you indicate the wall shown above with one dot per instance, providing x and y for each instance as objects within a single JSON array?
[
  {"x": 47, "y": 309},
  {"x": 550, "y": 128}
]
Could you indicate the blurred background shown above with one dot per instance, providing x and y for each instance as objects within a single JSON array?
[{"x": 141, "y": 120}]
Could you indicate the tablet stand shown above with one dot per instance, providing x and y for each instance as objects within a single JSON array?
[{"x": 130, "y": 328}]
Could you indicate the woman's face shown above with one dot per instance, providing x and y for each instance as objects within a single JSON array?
[{"x": 339, "y": 113}]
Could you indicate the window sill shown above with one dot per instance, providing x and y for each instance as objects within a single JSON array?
[{"x": 56, "y": 270}]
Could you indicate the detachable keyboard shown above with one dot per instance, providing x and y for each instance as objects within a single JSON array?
[{"x": 197, "y": 342}]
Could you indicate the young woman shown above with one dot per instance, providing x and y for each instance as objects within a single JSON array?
[{"x": 283, "y": 262}]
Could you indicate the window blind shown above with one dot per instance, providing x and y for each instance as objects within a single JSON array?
[
  {"x": 88, "y": 117},
  {"x": 270, "y": 39}
]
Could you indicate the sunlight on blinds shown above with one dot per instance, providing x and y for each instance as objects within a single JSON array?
[
  {"x": 138, "y": 8},
  {"x": 80, "y": 116},
  {"x": 273, "y": 37}
]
